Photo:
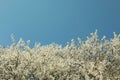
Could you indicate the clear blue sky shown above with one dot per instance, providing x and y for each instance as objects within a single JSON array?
[{"x": 59, "y": 21}]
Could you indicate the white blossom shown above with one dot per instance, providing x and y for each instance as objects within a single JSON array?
[{"x": 93, "y": 59}]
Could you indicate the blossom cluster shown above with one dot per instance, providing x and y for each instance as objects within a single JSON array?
[{"x": 93, "y": 59}]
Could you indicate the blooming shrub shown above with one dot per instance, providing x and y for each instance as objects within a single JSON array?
[{"x": 93, "y": 59}]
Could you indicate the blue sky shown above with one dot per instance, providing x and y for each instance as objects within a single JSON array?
[{"x": 59, "y": 21}]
